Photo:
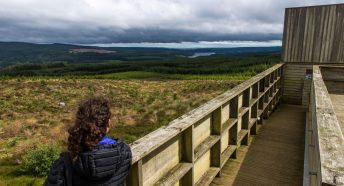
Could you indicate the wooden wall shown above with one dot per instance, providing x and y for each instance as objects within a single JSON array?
[
  {"x": 314, "y": 34},
  {"x": 293, "y": 84}
]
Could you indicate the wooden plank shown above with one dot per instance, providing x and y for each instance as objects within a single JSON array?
[
  {"x": 294, "y": 79},
  {"x": 229, "y": 124},
  {"x": 293, "y": 83},
  {"x": 301, "y": 34},
  {"x": 318, "y": 32},
  {"x": 241, "y": 135},
  {"x": 297, "y": 73},
  {"x": 292, "y": 88},
  {"x": 227, "y": 154},
  {"x": 308, "y": 34},
  {"x": 284, "y": 47},
  {"x": 173, "y": 176},
  {"x": 295, "y": 70},
  {"x": 323, "y": 37},
  {"x": 305, "y": 36},
  {"x": 252, "y": 122},
  {"x": 243, "y": 111},
  {"x": 330, "y": 38},
  {"x": 202, "y": 148},
  {"x": 187, "y": 145},
  {"x": 291, "y": 36},
  {"x": 295, "y": 45},
  {"x": 208, "y": 177},
  {"x": 337, "y": 31},
  {"x": 292, "y": 96},
  {"x": 341, "y": 52}
]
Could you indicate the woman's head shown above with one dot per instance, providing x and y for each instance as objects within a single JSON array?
[{"x": 91, "y": 124}]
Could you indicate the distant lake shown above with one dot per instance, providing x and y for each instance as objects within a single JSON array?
[
  {"x": 200, "y": 54},
  {"x": 195, "y": 45}
]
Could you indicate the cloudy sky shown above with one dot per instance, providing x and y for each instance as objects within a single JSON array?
[{"x": 108, "y": 21}]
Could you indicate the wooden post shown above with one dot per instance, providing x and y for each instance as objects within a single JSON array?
[
  {"x": 245, "y": 125},
  {"x": 233, "y": 138},
  {"x": 266, "y": 97},
  {"x": 271, "y": 92},
  {"x": 234, "y": 113},
  {"x": 216, "y": 130},
  {"x": 234, "y": 107},
  {"x": 262, "y": 85},
  {"x": 255, "y": 90},
  {"x": 246, "y": 97},
  {"x": 188, "y": 154},
  {"x": 216, "y": 122},
  {"x": 267, "y": 80},
  {"x": 135, "y": 176},
  {"x": 254, "y": 114},
  {"x": 253, "y": 129}
]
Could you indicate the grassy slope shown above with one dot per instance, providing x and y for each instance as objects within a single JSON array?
[{"x": 138, "y": 107}]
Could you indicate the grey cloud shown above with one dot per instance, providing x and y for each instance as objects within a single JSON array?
[{"x": 106, "y": 21}]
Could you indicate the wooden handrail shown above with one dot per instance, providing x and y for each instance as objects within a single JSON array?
[{"x": 328, "y": 149}]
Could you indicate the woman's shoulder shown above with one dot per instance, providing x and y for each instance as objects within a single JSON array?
[{"x": 118, "y": 149}]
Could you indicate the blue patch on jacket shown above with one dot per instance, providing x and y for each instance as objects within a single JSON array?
[{"x": 107, "y": 140}]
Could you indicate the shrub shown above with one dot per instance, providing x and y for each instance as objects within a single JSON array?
[
  {"x": 43, "y": 83},
  {"x": 12, "y": 142},
  {"x": 38, "y": 161}
]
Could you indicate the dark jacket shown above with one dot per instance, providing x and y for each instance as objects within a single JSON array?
[{"x": 107, "y": 164}]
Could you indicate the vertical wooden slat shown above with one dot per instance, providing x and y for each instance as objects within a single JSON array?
[
  {"x": 317, "y": 34},
  {"x": 284, "y": 47},
  {"x": 311, "y": 34},
  {"x": 341, "y": 49},
  {"x": 188, "y": 154},
  {"x": 305, "y": 36},
  {"x": 234, "y": 107},
  {"x": 246, "y": 97},
  {"x": 216, "y": 130},
  {"x": 295, "y": 35},
  {"x": 301, "y": 34},
  {"x": 325, "y": 32},
  {"x": 337, "y": 31},
  {"x": 290, "y": 34},
  {"x": 331, "y": 31},
  {"x": 341, "y": 46},
  {"x": 255, "y": 90}
]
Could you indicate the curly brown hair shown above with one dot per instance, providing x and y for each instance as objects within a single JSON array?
[{"x": 91, "y": 122}]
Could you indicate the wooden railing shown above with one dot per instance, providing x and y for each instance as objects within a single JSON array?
[
  {"x": 324, "y": 151},
  {"x": 192, "y": 149}
]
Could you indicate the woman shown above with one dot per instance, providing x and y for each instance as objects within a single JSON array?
[{"x": 93, "y": 158}]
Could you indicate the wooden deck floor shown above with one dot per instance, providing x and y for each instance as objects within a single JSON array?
[{"x": 274, "y": 156}]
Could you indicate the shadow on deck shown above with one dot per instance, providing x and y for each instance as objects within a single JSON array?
[{"x": 275, "y": 156}]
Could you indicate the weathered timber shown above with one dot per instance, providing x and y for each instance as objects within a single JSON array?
[
  {"x": 314, "y": 34},
  {"x": 274, "y": 156},
  {"x": 329, "y": 146}
]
